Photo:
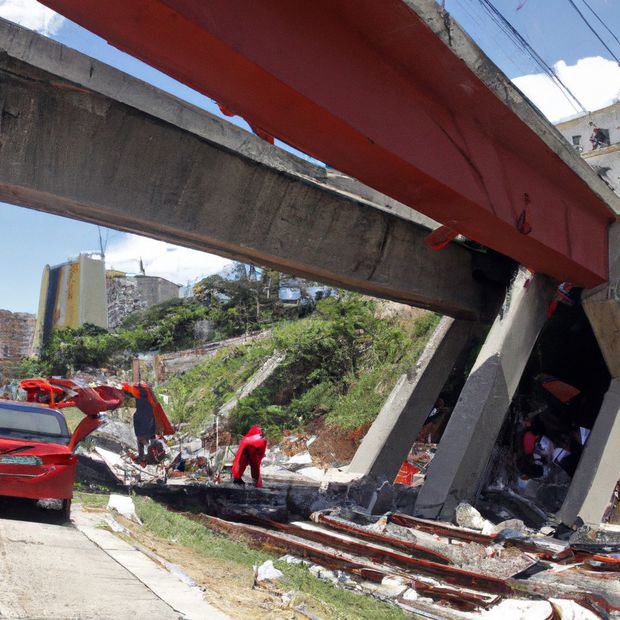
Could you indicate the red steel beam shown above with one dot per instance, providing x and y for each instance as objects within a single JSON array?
[{"x": 367, "y": 87}]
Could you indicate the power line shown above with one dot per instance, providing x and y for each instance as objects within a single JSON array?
[
  {"x": 522, "y": 43},
  {"x": 611, "y": 32},
  {"x": 596, "y": 34}
]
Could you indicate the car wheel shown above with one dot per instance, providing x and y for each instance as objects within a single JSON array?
[{"x": 65, "y": 514}]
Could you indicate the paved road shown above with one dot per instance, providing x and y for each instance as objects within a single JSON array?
[{"x": 54, "y": 571}]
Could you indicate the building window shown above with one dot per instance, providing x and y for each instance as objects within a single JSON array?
[{"x": 576, "y": 140}]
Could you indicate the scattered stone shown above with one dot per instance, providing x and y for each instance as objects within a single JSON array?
[
  {"x": 115, "y": 435},
  {"x": 292, "y": 559},
  {"x": 267, "y": 572},
  {"x": 467, "y": 516},
  {"x": 323, "y": 573},
  {"x": 512, "y": 524},
  {"x": 409, "y": 595},
  {"x": 298, "y": 461},
  {"x": 393, "y": 586},
  {"x": 124, "y": 506},
  {"x": 519, "y": 609},
  {"x": 602, "y": 538},
  {"x": 569, "y": 610}
]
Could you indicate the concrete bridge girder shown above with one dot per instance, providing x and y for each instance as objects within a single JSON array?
[
  {"x": 393, "y": 93},
  {"x": 145, "y": 162}
]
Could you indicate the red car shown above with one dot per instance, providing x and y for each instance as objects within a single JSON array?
[{"x": 36, "y": 453}]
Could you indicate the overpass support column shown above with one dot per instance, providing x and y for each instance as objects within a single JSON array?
[
  {"x": 463, "y": 454},
  {"x": 599, "y": 468},
  {"x": 388, "y": 441}
]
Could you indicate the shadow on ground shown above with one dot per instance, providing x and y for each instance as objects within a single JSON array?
[{"x": 19, "y": 509}]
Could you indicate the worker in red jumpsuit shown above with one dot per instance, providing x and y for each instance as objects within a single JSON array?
[{"x": 250, "y": 452}]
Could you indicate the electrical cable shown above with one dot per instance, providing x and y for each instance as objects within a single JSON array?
[
  {"x": 611, "y": 32},
  {"x": 499, "y": 19},
  {"x": 594, "y": 32}
]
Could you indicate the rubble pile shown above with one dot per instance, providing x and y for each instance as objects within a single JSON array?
[{"x": 446, "y": 571}]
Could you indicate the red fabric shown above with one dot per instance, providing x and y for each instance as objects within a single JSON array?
[
  {"x": 406, "y": 473},
  {"x": 162, "y": 423},
  {"x": 251, "y": 452},
  {"x": 529, "y": 442},
  {"x": 564, "y": 392}
]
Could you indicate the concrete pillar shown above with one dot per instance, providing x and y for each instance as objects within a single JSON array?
[
  {"x": 456, "y": 471},
  {"x": 392, "y": 434},
  {"x": 599, "y": 468},
  {"x": 602, "y": 307}
]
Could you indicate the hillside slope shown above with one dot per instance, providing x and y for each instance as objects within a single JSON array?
[{"x": 338, "y": 367}]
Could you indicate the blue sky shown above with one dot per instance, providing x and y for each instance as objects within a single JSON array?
[{"x": 551, "y": 26}]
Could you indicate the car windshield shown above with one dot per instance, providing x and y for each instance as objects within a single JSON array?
[{"x": 33, "y": 424}]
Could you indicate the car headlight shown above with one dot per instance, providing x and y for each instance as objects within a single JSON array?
[{"x": 20, "y": 460}]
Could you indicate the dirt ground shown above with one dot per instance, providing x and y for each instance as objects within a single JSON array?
[
  {"x": 228, "y": 586},
  {"x": 333, "y": 446}
]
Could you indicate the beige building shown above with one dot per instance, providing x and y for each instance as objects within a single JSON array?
[
  {"x": 72, "y": 294},
  {"x": 604, "y": 155}
]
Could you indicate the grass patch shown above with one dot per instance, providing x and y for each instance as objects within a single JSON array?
[
  {"x": 91, "y": 500},
  {"x": 340, "y": 362},
  {"x": 324, "y": 598},
  {"x": 196, "y": 395}
]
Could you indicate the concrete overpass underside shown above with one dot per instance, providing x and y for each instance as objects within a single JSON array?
[{"x": 83, "y": 140}]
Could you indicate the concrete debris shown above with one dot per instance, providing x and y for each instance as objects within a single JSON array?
[
  {"x": 291, "y": 559},
  {"x": 124, "y": 506},
  {"x": 604, "y": 538},
  {"x": 267, "y": 572},
  {"x": 323, "y": 573},
  {"x": 467, "y": 516},
  {"x": 519, "y": 609},
  {"x": 298, "y": 461},
  {"x": 115, "y": 435},
  {"x": 512, "y": 524},
  {"x": 569, "y": 610},
  {"x": 494, "y": 563}
]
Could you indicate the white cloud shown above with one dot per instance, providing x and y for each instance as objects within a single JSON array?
[
  {"x": 32, "y": 15},
  {"x": 595, "y": 81},
  {"x": 180, "y": 265}
]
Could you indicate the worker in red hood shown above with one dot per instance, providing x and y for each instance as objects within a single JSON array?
[{"x": 251, "y": 452}]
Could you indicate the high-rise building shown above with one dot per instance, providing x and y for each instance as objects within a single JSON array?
[{"x": 72, "y": 294}]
